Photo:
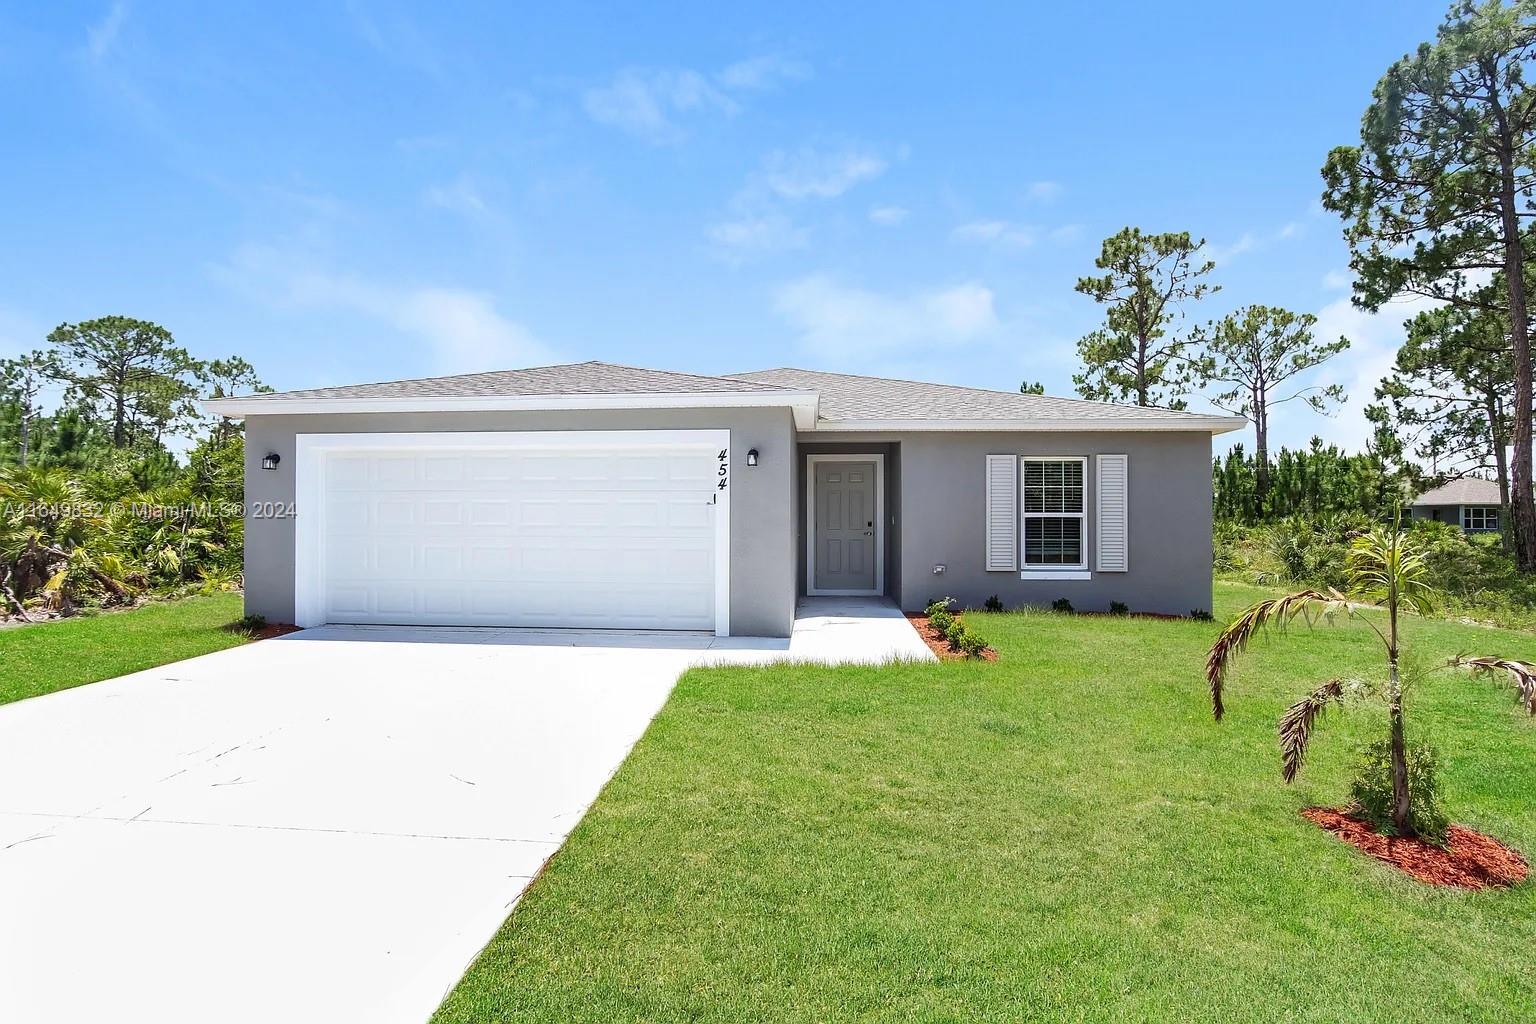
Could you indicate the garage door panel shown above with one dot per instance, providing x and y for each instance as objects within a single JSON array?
[
  {"x": 686, "y": 514},
  {"x": 394, "y": 469},
  {"x": 571, "y": 538},
  {"x": 348, "y": 513},
  {"x": 442, "y": 513},
  {"x": 442, "y": 562}
]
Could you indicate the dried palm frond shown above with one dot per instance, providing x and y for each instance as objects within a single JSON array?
[
  {"x": 1522, "y": 674},
  {"x": 1277, "y": 612},
  {"x": 1296, "y": 725}
]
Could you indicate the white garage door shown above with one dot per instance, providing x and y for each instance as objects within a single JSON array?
[{"x": 595, "y": 536}]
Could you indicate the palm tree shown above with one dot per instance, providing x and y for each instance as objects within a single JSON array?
[{"x": 1385, "y": 569}]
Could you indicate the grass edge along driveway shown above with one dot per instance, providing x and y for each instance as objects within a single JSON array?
[{"x": 49, "y": 656}]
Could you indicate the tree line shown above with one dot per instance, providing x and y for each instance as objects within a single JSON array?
[
  {"x": 95, "y": 506},
  {"x": 124, "y": 385}
]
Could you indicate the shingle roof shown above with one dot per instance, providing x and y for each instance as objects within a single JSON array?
[
  {"x": 1467, "y": 491},
  {"x": 830, "y": 401},
  {"x": 846, "y": 397},
  {"x": 589, "y": 378}
]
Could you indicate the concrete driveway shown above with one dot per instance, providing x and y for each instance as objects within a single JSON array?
[{"x": 324, "y": 827}]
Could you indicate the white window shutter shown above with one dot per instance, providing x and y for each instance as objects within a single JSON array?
[
  {"x": 1113, "y": 506},
  {"x": 1002, "y": 512}
]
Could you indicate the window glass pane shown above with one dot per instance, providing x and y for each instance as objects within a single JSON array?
[
  {"x": 1034, "y": 487},
  {"x": 1053, "y": 486},
  {"x": 1053, "y": 540},
  {"x": 1480, "y": 518}
]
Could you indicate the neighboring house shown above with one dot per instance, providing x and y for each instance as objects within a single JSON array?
[
  {"x": 594, "y": 495},
  {"x": 1471, "y": 504}
]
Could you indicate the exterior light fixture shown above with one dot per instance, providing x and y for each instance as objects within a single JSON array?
[
  {"x": 752, "y": 457},
  {"x": 270, "y": 460}
]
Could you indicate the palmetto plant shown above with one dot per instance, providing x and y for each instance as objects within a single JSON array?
[
  {"x": 56, "y": 542},
  {"x": 1386, "y": 569}
]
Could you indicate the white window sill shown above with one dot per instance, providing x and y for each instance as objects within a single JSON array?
[{"x": 1055, "y": 574}]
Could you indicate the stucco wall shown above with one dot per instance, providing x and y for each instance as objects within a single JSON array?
[
  {"x": 943, "y": 516},
  {"x": 762, "y": 526}
]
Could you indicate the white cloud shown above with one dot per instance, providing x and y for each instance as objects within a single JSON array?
[
  {"x": 649, "y": 103},
  {"x": 888, "y": 216},
  {"x": 758, "y": 221},
  {"x": 100, "y": 36},
  {"x": 766, "y": 233},
  {"x": 461, "y": 327},
  {"x": 1374, "y": 341},
  {"x": 1043, "y": 191},
  {"x": 644, "y": 103},
  {"x": 1000, "y": 233},
  {"x": 459, "y": 196},
  {"x": 1251, "y": 242},
  {"x": 464, "y": 329},
  {"x": 1222, "y": 253},
  {"x": 761, "y": 74},
  {"x": 396, "y": 37},
  {"x": 835, "y": 320},
  {"x": 1336, "y": 280},
  {"x": 809, "y": 173}
]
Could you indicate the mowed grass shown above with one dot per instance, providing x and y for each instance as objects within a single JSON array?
[
  {"x": 1064, "y": 835},
  {"x": 49, "y": 656}
]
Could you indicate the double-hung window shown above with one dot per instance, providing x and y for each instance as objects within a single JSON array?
[
  {"x": 1053, "y": 512},
  {"x": 1479, "y": 518}
]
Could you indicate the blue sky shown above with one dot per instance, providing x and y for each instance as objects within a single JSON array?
[{"x": 344, "y": 192}]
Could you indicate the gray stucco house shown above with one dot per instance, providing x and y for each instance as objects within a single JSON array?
[
  {"x": 596, "y": 495},
  {"x": 1471, "y": 504}
]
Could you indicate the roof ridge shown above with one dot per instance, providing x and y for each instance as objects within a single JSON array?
[
  {"x": 673, "y": 373},
  {"x": 509, "y": 370},
  {"x": 967, "y": 387}
]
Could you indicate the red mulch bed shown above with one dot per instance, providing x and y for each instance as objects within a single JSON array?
[
  {"x": 938, "y": 645},
  {"x": 1470, "y": 859}
]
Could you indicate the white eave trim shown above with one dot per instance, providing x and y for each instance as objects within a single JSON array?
[
  {"x": 802, "y": 404},
  {"x": 1194, "y": 423}
]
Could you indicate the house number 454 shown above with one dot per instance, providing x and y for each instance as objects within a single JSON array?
[{"x": 725, "y": 469}]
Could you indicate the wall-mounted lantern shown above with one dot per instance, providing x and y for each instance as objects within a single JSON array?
[
  {"x": 270, "y": 460},
  {"x": 752, "y": 457}
]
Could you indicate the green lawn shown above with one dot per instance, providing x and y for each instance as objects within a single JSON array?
[
  {"x": 1063, "y": 835},
  {"x": 52, "y": 656}
]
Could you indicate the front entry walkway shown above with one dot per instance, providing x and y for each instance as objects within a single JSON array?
[
  {"x": 327, "y": 826},
  {"x": 867, "y": 630}
]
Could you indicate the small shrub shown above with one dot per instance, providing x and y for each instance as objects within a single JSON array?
[
  {"x": 941, "y": 619},
  {"x": 943, "y": 604},
  {"x": 1201, "y": 615},
  {"x": 251, "y": 623},
  {"x": 1061, "y": 604},
  {"x": 1372, "y": 790},
  {"x": 219, "y": 579},
  {"x": 954, "y": 634},
  {"x": 1118, "y": 608},
  {"x": 994, "y": 604},
  {"x": 972, "y": 644}
]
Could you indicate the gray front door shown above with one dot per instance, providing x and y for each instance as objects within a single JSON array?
[{"x": 844, "y": 530}]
